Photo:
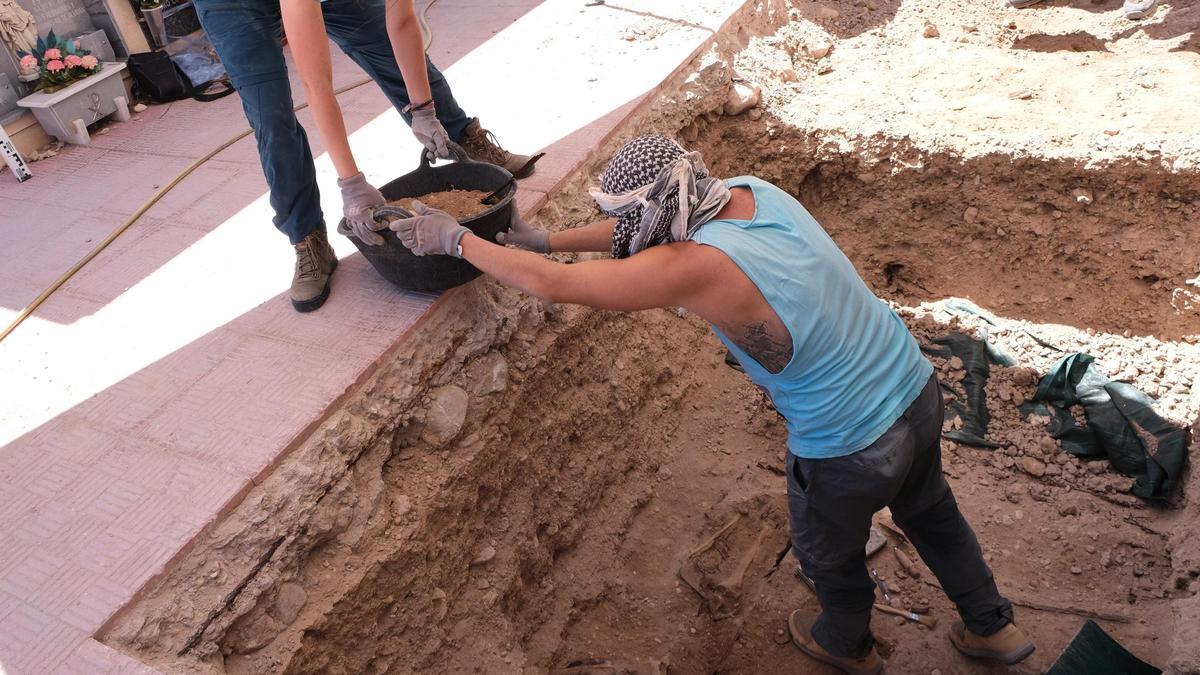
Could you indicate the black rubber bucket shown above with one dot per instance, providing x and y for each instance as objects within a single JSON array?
[{"x": 397, "y": 264}]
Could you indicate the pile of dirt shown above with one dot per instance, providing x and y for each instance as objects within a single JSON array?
[{"x": 462, "y": 204}]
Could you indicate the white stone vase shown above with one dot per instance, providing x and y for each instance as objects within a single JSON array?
[{"x": 66, "y": 114}]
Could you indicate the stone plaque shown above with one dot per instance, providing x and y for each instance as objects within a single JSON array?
[{"x": 67, "y": 18}]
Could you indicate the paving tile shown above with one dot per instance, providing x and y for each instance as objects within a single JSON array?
[
  {"x": 33, "y": 641},
  {"x": 93, "y": 658}
]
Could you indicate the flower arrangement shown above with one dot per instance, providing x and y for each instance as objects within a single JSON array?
[{"x": 57, "y": 62}]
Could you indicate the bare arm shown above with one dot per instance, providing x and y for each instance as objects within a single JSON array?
[
  {"x": 663, "y": 276},
  {"x": 408, "y": 45},
  {"x": 594, "y": 237},
  {"x": 310, "y": 48}
]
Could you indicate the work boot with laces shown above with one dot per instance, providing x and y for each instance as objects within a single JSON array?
[
  {"x": 1008, "y": 645},
  {"x": 800, "y": 628},
  {"x": 482, "y": 146},
  {"x": 315, "y": 262}
]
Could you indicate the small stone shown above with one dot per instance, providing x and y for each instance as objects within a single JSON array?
[
  {"x": 1033, "y": 467},
  {"x": 930, "y": 30},
  {"x": 818, "y": 50},
  {"x": 490, "y": 598},
  {"x": 139, "y": 107},
  {"x": 446, "y": 415},
  {"x": 485, "y": 556},
  {"x": 1082, "y": 195},
  {"x": 1068, "y": 510},
  {"x": 401, "y": 506},
  {"x": 742, "y": 97},
  {"x": 1021, "y": 94},
  {"x": 1076, "y": 570},
  {"x": 288, "y": 602}
]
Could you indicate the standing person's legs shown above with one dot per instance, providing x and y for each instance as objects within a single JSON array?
[
  {"x": 359, "y": 27},
  {"x": 927, "y": 512},
  {"x": 831, "y": 502},
  {"x": 246, "y": 35}
]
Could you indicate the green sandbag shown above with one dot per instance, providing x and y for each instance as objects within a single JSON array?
[{"x": 1093, "y": 652}]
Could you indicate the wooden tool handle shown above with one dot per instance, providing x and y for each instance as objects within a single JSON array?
[{"x": 927, "y": 621}]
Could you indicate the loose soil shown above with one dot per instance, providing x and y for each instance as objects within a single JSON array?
[
  {"x": 523, "y": 496},
  {"x": 462, "y": 204}
]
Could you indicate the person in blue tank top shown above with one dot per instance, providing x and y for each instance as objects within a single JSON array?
[{"x": 863, "y": 409}]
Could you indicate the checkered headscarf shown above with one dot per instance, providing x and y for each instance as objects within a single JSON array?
[{"x": 642, "y": 185}]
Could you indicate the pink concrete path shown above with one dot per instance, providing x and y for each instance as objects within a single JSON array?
[{"x": 143, "y": 399}]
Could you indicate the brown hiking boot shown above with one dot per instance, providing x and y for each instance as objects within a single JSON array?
[
  {"x": 1008, "y": 646},
  {"x": 871, "y": 664},
  {"x": 482, "y": 146},
  {"x": 315, "y": 262}
]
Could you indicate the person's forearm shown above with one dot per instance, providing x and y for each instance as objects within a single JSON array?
[
  {"x": 594, "y": 237},
  {"x": 305, "y": 28},
  {"x": 525, "y": 271},
  {"x": 408, "y": 46},
  {"x": 332, "y": 128}
]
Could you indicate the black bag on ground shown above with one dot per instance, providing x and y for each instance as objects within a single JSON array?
[{"x": 158, "y": 78}]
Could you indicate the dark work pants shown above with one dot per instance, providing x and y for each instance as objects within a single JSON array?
[
  {"x": 247, "y": 36},
  {"x": 831, "y": 502}
]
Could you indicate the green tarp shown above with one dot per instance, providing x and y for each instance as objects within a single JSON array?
[{"x": 1121, "y": 424}]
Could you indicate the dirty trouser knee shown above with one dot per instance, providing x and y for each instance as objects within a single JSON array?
[
  {"x": 926, "y": 510},
  {"x": 360, "y": 29},
  {"x": 246, "y": 35},
  {"x": 831, "y": 503}
]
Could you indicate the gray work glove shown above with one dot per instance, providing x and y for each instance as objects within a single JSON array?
[
  {"x": 430, "y": 132},
  {"x": 429, "y": 231},
  {"x": 523, "y": 235},
  {"x": 359, "y": 200}
]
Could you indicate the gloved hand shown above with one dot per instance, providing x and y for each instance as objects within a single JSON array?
[
  {"x": 431, "y": 133},
  {"x": 523, "y": 235},
  {"x": 429, "y": 231},
  {"x": 359, "y": 200}
]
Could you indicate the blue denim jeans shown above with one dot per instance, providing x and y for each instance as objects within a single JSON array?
[{"x": 247, "y": 36}]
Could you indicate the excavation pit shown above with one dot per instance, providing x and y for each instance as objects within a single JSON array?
[{"x": 524, "y": 496}]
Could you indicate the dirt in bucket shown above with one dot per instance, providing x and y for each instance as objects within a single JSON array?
[{"x": 462, "y": 204}]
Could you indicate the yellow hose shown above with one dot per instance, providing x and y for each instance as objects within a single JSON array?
[{"x": 141, "y": 210}]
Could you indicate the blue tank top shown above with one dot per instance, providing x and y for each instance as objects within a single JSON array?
[{"x": 855, "y": 367}]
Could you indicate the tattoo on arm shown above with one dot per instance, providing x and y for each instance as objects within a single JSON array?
[{"x": 755, "y": 339}]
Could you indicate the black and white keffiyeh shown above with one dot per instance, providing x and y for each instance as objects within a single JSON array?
[{"x": 659, "y": 193}]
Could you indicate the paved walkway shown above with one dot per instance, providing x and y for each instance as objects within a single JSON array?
[{"x": 145, "y": 396}]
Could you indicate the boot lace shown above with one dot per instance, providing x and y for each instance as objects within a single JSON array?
[
  {"x": 306, "y": 262},
  {"x": 484, "y": 144}
]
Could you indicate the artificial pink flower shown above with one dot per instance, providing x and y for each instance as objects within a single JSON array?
[
  {"x": 52, "y": 54},
  {"x": 89, "y": 62},
  {"x": 28, "y": 61},
  {"x": 73, "y": 60},
  {"x": 77, "y": 45},
  {"x": 54, "y": 66}
]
